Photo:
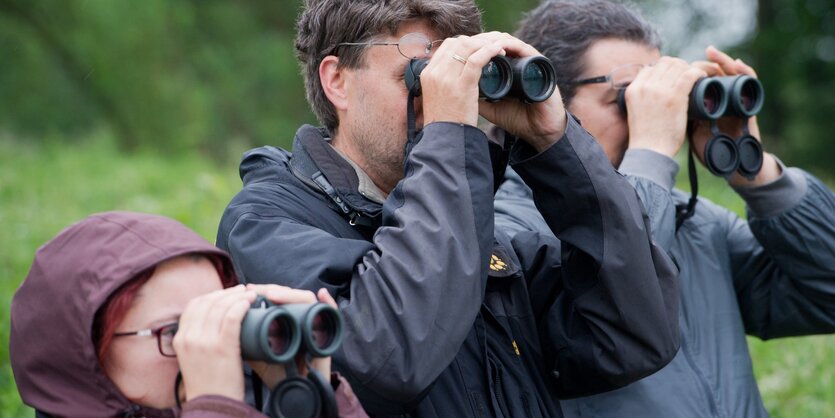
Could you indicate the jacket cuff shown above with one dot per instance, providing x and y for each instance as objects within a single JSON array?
[
  {"x": 778, "y": 196},
  {"x": 216, "y": 406},
  {"x": 521, "y": 152},
  {"x": 653, "y": 166}
]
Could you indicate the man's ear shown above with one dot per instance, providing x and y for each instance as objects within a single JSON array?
[{"x": 334, "y": 82}]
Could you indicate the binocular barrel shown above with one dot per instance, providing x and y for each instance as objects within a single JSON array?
[
  {"x": 714, "y": 97},
  {"x": 530, "y": 79},
  {"x": 745, "y": 95},
  {"x": 276, "y": 333}
]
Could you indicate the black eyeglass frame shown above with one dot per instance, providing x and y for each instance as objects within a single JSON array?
[
  {"x": 156, "y": 332},
  {"x": 604, "y": 78}
]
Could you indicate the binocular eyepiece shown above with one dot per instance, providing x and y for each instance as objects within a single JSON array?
[
  {"x": 741, "y": 96},
  {"x": 530, "y": 79},
  {"x": 275, "y": 333}
]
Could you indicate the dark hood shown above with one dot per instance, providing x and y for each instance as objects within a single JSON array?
[{"x": 51, "y": 346}]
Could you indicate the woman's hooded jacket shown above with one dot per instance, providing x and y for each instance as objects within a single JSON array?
[{"x": 51, "y": 344}]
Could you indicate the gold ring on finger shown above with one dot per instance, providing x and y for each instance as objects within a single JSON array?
[{"x": 459, "y": 58}]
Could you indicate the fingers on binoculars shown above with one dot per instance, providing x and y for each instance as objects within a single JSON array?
[
  {"x": 509, "y": 43},
  {"x": 325, "y": 297},
  {"x": 215, "y": 314},
  {"x": 729, "y": 65},
  {"x": 712, "y": 69},
  {"x": 283, "y": 294},
  {"x": 688, "y": 78}
]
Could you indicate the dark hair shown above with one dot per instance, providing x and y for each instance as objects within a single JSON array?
[
  {"x": 325, "y": 23},
  {"x": 563, "y": 31}
]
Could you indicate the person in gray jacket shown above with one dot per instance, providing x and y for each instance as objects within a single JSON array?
[
  {"x": 772, "y": 276},
  {"x": 444, "y": 317}
]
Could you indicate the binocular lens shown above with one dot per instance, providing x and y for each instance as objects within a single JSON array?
[
  {"x": 275, "y": 333},
  {"x": 711, "y": 99},
  {"x": 324, "y": 330},
  {"x": 495, "y": 82},
  {"x": 534, "y": 79},
  {"x": 279, "y": 335},
  {"x": 707, "y": 100},
  {"x": 746, "y": 95},
  {"x": 750, "y": 96}
]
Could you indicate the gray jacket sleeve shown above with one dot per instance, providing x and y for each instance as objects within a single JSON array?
[
  {"x": 616, "y": 319},
  {"x": 783, "y": 258},
  {"x": 414, "y": 291},
  {"x": 653, "y": 176}
]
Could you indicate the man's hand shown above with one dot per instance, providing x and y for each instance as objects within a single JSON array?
[
  {"x": 657, "y": 102},
  {"x": 720, "y": 64},
  {"x": 539, "y": 124},
  {"x": 450, "y": 90}
]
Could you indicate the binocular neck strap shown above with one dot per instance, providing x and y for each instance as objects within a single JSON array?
[
  {"x": 686, "y": 211},
  {"x": 410, "y": 122}
]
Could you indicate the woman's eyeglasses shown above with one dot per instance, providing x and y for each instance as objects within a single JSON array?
[{"x": 164, "y": 335}]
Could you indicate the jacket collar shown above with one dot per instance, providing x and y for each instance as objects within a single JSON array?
[{"x": 321, "y": 167}]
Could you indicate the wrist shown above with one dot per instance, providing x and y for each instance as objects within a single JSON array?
[
  {"x": 769, "y": 172},
  {"x": 541, "y": 141},
  {"x": 651, "y": 143}
]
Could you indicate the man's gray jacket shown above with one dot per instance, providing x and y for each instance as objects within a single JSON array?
[
  {"x": 443, "y": 317},
  {"x": 773, "y": 276}
]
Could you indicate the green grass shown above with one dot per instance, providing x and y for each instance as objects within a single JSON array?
[{"x": 46, "y": 187}]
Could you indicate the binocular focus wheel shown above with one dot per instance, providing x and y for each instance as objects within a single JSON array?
[
  {"x": 295, "y": 397},
  {"x": 721, "y": 155},
  {"x": 750, "y": 156}
]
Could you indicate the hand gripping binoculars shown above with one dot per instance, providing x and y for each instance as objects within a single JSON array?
[
  {"x": 276, "y": 333},
  {"x": 712, "y": 98},
  {"x": 530, "y": 79}
]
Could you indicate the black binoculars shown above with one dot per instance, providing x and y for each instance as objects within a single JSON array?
[
  {"x": 739, "y": 96},
  {"x": 275, "y": 333},
  {"x": 530, "y": 79}
]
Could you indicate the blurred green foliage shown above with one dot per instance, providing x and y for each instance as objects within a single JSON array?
[
  {"x": 793, "y": 52},
  {"x": 203, "y": 74},
  {"x": 115, "y": 104}
]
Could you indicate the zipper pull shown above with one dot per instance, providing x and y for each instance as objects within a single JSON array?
[{"x": 516, "y": 349}]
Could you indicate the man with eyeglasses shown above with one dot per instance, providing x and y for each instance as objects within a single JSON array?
[
  {"x": 773, "y": 276},
  {"x": 443, "y": 317}
]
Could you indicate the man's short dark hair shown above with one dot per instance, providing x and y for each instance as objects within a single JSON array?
[
  {"x": 326, "y": 23},
  {"x": 564, "y": 30}
]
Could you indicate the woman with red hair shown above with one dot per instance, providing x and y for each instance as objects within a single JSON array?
[{"x": 119, "y": 304}]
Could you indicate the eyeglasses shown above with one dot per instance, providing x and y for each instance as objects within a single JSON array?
[
  {"x": 619, "y": 78},
  {"x": 410, "y": 45},
  {"x": 164, "y": 335}
]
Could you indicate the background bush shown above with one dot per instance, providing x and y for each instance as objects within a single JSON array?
[{"x": 147, "y": 106}]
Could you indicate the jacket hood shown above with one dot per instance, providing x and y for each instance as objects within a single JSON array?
[{"x": 51, "y": 346}]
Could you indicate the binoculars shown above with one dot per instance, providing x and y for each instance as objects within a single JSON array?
[
  {"x": 738, "y": 96},
  {"x": 741, "y": 96},
  {"x": 530, "y": 79},
  {"x": 275, "y": 333}
]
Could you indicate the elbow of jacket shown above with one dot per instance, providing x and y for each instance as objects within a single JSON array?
[
  {"x": 647, "y": 357},
  {"x": 657, "y": 355}
]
